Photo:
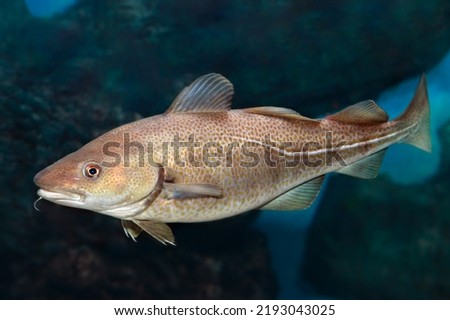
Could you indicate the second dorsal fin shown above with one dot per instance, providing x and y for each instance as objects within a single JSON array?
[
  {"x": 362, "y": 112},
  {"x": 278, "y": 112},
  {"x": 209, "y": 93}
]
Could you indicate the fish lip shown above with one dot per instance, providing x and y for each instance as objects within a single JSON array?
[{"x": 63, "y": 197}]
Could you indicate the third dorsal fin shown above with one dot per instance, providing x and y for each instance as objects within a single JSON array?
[
  {"x": 209, "y": 93},
  {"x": 362, "y": 112}
]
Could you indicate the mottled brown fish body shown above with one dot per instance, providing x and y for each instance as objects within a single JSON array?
[
  {"x": 248, "y": 187},
  {"x": 201, "y": 161}
]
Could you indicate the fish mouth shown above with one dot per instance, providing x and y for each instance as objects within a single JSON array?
[{"x": 66, "y": 198}]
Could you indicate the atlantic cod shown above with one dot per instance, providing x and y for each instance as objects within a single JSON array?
[{"x": 201, "y": 161}]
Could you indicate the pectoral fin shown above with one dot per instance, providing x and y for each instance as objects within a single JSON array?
[
  {"x": 131, "y": 229},
  {"x": 191, "y": 190},
  {"x": 366, "y": 168},
  {"x": 158, "y": 230},
  {"x": 298, "y": 198}
]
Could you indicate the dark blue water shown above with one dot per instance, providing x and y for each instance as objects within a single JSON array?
[{"x": 70, "y": 70}]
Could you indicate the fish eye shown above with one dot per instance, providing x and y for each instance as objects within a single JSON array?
[{"x": 91, "y": 170}]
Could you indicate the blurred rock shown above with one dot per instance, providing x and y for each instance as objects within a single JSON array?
[
  {"x": 64, "y": 81},
  {"x": 54, "y": 98},
  {"x": 67, "y": 253},
  {"x": 311, "y": 56},
  {"x": 377, "y": 240},
  {"x": 314, "y": 57},
  {"x": 110, "y": 266}
]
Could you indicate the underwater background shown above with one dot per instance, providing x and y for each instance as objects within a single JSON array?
[{"x": 71, "y": 70}]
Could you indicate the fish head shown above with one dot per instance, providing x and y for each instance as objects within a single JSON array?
[{"x": 88, "y": 179}]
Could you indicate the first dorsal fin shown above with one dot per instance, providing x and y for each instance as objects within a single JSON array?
[
  {"x": 362, "y": 112},
  {"x": 278, "y": 112},
  {"x": 209, "y": 93}
]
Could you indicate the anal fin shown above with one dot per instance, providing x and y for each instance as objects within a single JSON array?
[
  {"x": 366, "y": 168},
  {"x": 158, "y": 230},
  {"x": 299, "y": 198}
]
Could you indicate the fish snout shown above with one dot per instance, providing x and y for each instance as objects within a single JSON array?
[
  {"x": 57, "y": 175},
  {"x": 52, "y": 188},
  {"x": 43, "y": 179},
  {"x": 38, "y": 179}
]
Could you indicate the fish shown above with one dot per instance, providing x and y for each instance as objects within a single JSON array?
[{"x": 203, "y": 161}]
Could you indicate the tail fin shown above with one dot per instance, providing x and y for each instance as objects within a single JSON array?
[{"x": 418, "y": 112}]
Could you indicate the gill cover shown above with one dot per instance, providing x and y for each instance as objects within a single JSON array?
[{"x": 141, "y": 193}]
